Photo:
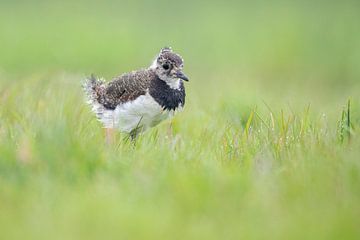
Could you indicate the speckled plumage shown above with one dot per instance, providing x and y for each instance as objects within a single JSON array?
[
  {"x": 140, "y": 98},
  {"x": 126, "y": 87}
]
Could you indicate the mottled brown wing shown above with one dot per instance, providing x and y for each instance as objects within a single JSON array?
[{"x": 127, "y": 87}]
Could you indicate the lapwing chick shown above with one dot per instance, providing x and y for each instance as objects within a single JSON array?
[{"x": 136, "y": 101}]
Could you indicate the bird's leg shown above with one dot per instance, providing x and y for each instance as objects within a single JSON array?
[
  {"x": 109, "y": 136},
  {"x": 133, "y": 135},
  {"x": 170, "y": 131},
  {"x": 136, "y": 131}
]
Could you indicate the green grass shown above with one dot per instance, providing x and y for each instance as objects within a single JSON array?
[{"x": 269, "y": 150}]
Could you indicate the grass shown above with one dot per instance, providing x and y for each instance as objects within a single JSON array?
[
  {"x": 220, "y": 173},
  {"x": 270, "y": 149}
]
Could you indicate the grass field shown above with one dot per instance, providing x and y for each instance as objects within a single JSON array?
[{"x": 267, "y": 146}]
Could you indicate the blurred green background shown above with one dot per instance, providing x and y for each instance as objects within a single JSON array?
[
  {"x": 318, "y": 37},
  {"x": 262, "y": 150},
  {"x": 280, "y": 43}
]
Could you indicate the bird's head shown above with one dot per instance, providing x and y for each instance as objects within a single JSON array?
[{"x": 168, "y": 66}]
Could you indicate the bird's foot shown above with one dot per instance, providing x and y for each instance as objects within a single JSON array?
[{"x": 109, "y": 136}]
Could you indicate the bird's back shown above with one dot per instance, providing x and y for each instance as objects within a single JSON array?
[{"x": 126, "y": 87}]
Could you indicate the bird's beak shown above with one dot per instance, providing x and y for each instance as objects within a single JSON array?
[{"x": 181, "y": 75}]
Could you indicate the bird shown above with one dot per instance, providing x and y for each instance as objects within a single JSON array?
[{"x": 136, "y": 101}]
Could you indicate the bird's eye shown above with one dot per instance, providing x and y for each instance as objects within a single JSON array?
[{"x": 166, "y": 66}]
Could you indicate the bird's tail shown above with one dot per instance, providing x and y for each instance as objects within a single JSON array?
[
  {"x": 95, "y": 92},
  {"x": 94, "y": 89}
]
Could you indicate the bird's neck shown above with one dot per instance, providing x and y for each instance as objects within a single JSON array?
[
  {"x": 153, "y": 64},
  {"x": 173, "y": 83}
]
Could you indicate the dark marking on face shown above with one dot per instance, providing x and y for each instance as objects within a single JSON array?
[{"x": 171, "y": 59}]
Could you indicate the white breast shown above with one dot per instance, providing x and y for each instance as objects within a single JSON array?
[{"x": 144, "y": 112}]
